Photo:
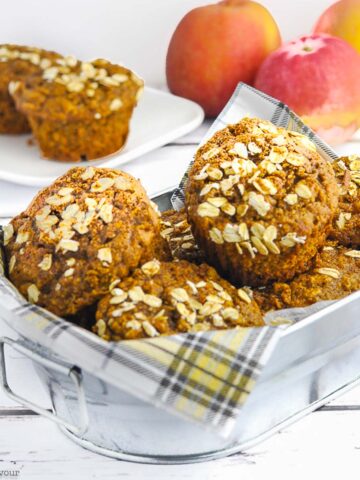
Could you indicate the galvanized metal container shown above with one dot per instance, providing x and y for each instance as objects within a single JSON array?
[{"x": 313, "y": 361}]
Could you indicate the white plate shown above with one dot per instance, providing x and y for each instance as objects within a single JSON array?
[{"x": 158, "y": 119}]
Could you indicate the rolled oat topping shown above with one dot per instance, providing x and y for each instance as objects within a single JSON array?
[
  {"x": 178, "y": 297},
  {"x": 333, "y": 274},
  {"x": 346, "y": 226},
  {"x": 70, "y": 72},
  {"x": 8, "y": 233},
  {"x": 176, "y": 230},
  {"x": 253, "y": 175},
  {"x": 353, "y": 253},
  {"x": 151, "y": 268},
  {"x": 75, "y": 236},
  {"x": 33, "y": 293},
  {"x": 252, "y": 168}
]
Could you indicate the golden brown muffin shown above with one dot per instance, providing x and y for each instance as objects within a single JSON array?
[
  {"x": 335, "y": 273},
  {"x": 260, "y": 201},
  {"x": 79, "y": 110},
  {"x": 90, "y": 227},
  {"x": 266, "y": 300},
  {"x": 173, "y": 297},
  {"x": 176, "y": 230},
  {"x": 346, "y": 226},
  {"x": 18, "y": 63},
  {"x": 161, "y": 249}
]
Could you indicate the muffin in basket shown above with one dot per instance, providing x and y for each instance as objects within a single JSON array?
[
  {"x": 164, "y": 298},
  {"x": 335, "y": 273},
  {"x": 260, "y": 201},
  {"x": 79, "y": 110},
  {"x": 175, "y": 229},
  {"x": 346, "y": 226},
  {"x": 90, "y": 227},
  {"x": 18, "y": 63}
]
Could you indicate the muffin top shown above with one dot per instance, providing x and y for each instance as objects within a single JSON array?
[
  {"x": 88, "y": 228},
  {"x": 164, "y": 298},
  {"x": 346, "y": 226},
  {"x": 176, "y": 230},
  {"x": 262, "y": 193},
  {"x": 74, "y": 90},
  {"x": 18, "y": 62},
  {"x": 335, "y": 273}
]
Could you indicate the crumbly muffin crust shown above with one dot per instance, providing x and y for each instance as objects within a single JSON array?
[
  {"x": 164, "y": 298},
  {"x": 175, "y": 229},
  {"x": 346, "y": 226},
  {"x": 17, "y": 63},
  {"x": 260, "y": 201},
  {"x": 90, "y": 227},
  {"x": 335, "y": 273},
  {"x": 79, "y": 110}
]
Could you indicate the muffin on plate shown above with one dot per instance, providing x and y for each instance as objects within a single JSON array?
[
  {"x": 164, "y": 298},
  {"x": 175, "y": 229},
  {"x": 18, "y": 63},
  {"x": 346, "y": 226},
  {"x": 79, "y": 110},
  {"x": 335, "y": 273},
  {"x": 90, "y": 227},
  {"x": 260, "y": 201}
]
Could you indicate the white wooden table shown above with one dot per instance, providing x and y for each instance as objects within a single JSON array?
[{"x": 325, "y": 443}]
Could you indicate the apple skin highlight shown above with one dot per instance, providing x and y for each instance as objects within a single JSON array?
[{"x": 317, "y": 76}]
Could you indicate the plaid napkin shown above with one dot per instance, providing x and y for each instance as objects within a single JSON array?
[{"x": 204, "y": 377}]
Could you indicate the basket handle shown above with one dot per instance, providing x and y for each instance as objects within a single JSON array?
[{"x": 73, "y": 372}]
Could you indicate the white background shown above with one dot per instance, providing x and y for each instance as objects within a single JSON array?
[{"x": 135, "y": 32}]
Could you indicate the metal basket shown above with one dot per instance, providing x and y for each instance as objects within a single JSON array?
[{"x": 313, "y": 361}]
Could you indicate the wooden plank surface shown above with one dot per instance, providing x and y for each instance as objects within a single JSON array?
[{"x": 324, "y": 443}]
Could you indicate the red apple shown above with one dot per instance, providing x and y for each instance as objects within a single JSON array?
[
  {"x": 317, "y": 76},
  {"x": 216, "y": 46}
]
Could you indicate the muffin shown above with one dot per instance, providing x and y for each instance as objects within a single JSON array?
[
  {"x": 176, "y": 230},
  {"x": 260, "y": 201},
  {"x": 79, "y": 110},
  {"x": 90, "y": 227},
  {"x": 18, "y": 63},
  {"x": 164, "y": 298},
  {"x": 346, "y": 226},
  {"x": 335, "y": 273},
  {"x": 161, "y": 249}
]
